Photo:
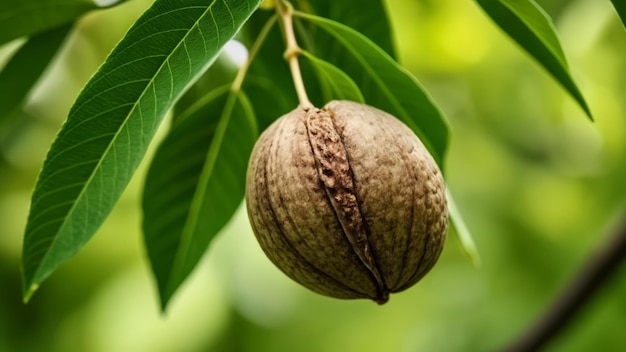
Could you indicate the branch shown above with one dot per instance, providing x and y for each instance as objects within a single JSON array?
[{"x": 596, "y": 272}]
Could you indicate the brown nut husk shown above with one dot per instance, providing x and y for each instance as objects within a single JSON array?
[{"x": 347, "y": 201}]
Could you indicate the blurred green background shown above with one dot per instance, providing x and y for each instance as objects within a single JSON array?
[{"x": 539, "y": 185}]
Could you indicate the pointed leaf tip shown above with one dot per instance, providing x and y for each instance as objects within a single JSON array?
[
  {"x": 28, "y": 293},
  {"x": 462, "y": 231}
]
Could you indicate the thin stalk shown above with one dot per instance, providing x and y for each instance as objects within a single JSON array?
[{"x": 285, "y": 12}]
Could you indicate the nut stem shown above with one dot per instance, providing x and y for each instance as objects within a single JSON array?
[{"x": 285, "y": 12}]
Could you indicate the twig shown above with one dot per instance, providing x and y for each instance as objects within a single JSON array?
[{"x": 596, "y": 272}]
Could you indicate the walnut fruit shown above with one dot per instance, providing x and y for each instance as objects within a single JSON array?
[{"x": 346, "y": 201}]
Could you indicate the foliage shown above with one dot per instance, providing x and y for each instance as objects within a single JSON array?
[
  {"x": 109, "y": 127},
  {"x": 213, "y": 127},
  {"x": 195, "y": 182}
]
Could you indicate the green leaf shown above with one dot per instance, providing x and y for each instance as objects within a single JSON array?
[
  {"x": 336, "y": 83},
  {"x": 25, "y": 66},
  {"x": 25, "y": 17},
  {"x": 532, "y": 29},
  {"x": 371, "y": 19},
  {"x": 195, "y": 184},
  {"x": 386, "y": 85},
  {"x": 465, "y": 237},
  {"x": 113, "y": 120},
  {"x": 620, "y": 7}
]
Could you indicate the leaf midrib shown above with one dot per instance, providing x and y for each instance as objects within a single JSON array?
[{"x": 205, "y": 175}]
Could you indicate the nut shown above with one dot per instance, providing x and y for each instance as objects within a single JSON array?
[{"x": 346, "y": 201}]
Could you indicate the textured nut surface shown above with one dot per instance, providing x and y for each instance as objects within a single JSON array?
[{"x": 346, "y": 201}]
